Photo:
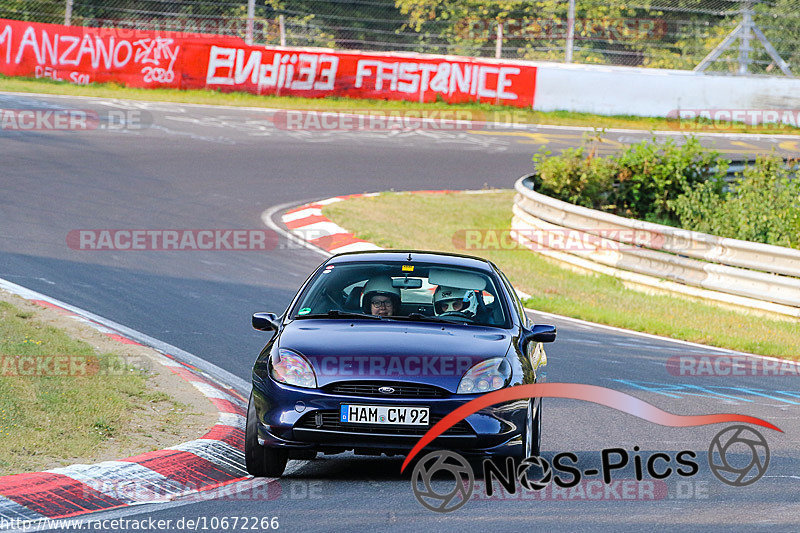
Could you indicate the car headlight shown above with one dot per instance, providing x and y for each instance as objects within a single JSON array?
[
  {"x": 293, "y": 369},
  {"x": 486, "y": 376}
]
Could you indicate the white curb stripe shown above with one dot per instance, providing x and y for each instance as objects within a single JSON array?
[
  {"x": 217, "y": 452},
  {"x": 328, "y": 201},
  {"x": 233, "y": 420},
  {"x": 304, "y": 213},
  {"x": 355, "y": 247},
  {"x": 213, "y": 392},
  {"x": 323, "y": 228}
]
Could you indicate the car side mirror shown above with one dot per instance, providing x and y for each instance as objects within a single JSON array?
[
  {"x": 543, "y": 333},
  {"x": 266, "y": 321},
  {"x": 538, "y": 333}
]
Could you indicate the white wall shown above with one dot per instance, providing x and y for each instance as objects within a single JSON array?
[{"x": 609, "y": 90}]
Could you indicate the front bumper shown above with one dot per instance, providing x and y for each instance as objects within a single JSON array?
[{"x": 307, "y": 419}]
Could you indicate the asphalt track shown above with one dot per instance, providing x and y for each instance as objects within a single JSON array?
[{"x": 201, "y": 167}]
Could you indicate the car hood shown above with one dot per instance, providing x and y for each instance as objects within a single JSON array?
[{"x": 434, "y": 354}]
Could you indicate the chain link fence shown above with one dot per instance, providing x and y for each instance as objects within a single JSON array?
[{"x": 675, "y": 34}]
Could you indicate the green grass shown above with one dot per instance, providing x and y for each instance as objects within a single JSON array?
[
  {"x": 429, "y": 221},
  {"x": 475, "y": 111},
  {"x": 47, "y": 418}
]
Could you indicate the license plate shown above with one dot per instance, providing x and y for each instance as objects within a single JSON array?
[{"x": 382, "y": 414}]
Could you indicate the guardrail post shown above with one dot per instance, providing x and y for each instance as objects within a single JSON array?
[
  {"x": 498, "y": 45},
  {"x": 570, "y": 32},
  {"x": 251, "y": 13},
  {"x": 745, "y": 37},
  {"x": 68, "y": 13}
]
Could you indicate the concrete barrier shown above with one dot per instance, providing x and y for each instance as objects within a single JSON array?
[{"x": 607, "y": 90}]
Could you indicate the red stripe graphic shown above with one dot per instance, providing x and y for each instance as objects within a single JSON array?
[{"x": 577, "y": 391}]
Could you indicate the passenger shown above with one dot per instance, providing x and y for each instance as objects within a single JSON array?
[
  {"x": 380, "y": 297},
  {"x": 450, "y": 300}
]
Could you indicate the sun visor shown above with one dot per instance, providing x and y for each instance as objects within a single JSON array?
[{"x": 457, "y": 279}]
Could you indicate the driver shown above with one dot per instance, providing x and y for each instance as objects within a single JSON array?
[
  {"x": 449, "y": 300},
  {"x": 380, "y": 297}
]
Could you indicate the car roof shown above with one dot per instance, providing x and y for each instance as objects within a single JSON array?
[{"x": 442, "y": 258}]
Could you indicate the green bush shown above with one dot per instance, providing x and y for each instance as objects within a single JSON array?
[
  {"x": 576, "y": 177},
  {"x": 761, "y": 205},
  {"x": 681, "y": 185},
  {"x": 637, "y": 183}
]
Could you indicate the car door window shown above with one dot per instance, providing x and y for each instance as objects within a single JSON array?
[{"x": 517, "y": 302}]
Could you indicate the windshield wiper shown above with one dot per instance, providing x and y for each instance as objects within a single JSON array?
[{"x": 333, "y": 313}]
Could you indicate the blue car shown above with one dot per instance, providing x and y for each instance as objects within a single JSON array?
[{"x": 376, "y": 347}]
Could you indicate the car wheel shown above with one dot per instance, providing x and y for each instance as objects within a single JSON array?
[{"x": 261, "y": 461}]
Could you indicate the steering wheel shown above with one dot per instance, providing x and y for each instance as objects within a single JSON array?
[
  {"x": 457, "y": 314},
  {"x": 335, "y": 306}
]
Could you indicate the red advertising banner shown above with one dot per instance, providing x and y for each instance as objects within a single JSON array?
[
  {"x": 87, "y": 55},
  {"x": 192, "y": 61}
]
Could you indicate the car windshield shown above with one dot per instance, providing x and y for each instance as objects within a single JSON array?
[{"x": 403, "y": 291}]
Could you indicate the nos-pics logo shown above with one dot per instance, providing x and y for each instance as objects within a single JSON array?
[{"x": 738, "y": 456}]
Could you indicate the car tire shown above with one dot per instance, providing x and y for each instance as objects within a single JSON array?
[{"x": 261, "y": 461}]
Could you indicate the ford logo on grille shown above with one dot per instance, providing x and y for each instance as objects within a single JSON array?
[{"x": 386, "y": 390}]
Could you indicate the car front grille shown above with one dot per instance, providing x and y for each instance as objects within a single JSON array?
[
  {"x": 400, "y": 390},
  {"x": 329, "y": 421}
]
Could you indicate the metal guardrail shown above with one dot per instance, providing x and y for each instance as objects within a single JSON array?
[
  {"x": 736, "y": 168},
  {"x": 743, "y": 273}
]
